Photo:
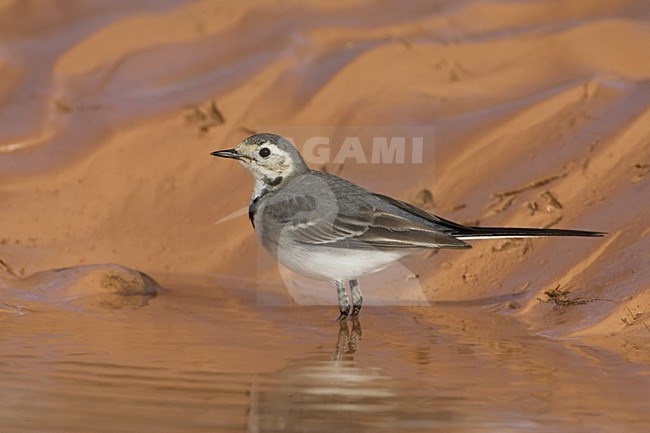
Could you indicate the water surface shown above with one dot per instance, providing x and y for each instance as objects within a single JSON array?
[{"x": 204, "y": 358}]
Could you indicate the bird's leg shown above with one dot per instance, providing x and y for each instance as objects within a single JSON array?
[
  {"x": 344, "y": 300},
  {"x": 357, "y": 299}
]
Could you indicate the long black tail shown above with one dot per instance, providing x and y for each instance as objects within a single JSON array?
[
  {"x": 515, "y": 232},
  {"x": 462, "y": 232}
]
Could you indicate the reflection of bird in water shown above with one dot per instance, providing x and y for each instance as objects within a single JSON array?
[
  {"x": 322, "y": 394},
  {"x": 348, "y": 339}
]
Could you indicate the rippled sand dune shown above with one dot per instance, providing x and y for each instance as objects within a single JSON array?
[{"x": 539, "y": 111}]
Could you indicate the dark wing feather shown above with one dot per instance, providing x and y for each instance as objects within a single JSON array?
[
  {"x": 353, "y": 224},
  {"x": 444, "y": 225},
  {"x": 321, "y": 209}
]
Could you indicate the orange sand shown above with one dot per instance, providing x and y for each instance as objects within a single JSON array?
[{"x": 541, "y": 115}]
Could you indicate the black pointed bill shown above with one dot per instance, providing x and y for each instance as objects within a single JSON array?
[{"x": 230, "y": 153}]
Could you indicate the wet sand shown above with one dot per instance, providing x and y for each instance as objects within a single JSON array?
[{"x": 539, "y": 114}]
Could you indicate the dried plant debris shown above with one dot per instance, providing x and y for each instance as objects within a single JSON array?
[
  {"x": 533, "y": 185},
  {"x": 61, "y": 106},
  {"x": 506, "y": 198},
  {"x": 65, "y": 107},
  {"x": 552, "y": 222},
  {"x": 560, "y": 298},
  {"x": 552, "y": 201},
  {"x": 468, "y": 277},
  {"x": 411, "y": 277},
  {"x": 424, "y": 199},
  {"x": 633, "y": 317},
  {"x": 7, "y": 268},
  {"x": 507, "y": 244},
  {"x": 532, "y": 207},
  {"x": 640, "y": 171},
  {"x": 552, "y": 204},
  {"x": 207, "y": 116},
  {"x": 502, "y": 204},
  {"x": 457, "y": 207}
]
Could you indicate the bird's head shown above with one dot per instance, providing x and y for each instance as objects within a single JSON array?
[{"x": 270, "y": 158}]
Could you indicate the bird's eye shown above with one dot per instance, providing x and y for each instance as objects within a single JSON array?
[{"x": 265, "y": 152}]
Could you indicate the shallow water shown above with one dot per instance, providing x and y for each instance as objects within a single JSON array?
[{"x": 203, "y": 358}]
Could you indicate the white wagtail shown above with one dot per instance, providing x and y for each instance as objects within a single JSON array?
[{"x": 324, "y": 227}]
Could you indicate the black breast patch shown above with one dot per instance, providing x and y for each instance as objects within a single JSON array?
[{"x": 252, "y": 208}]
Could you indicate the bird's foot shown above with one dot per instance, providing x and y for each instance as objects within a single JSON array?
[{"x": 345, "y": 312}]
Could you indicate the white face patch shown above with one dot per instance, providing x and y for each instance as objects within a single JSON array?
[{"x": 266, "y": 170}]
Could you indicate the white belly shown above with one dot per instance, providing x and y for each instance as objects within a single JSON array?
[{"x": 336, "y": 263}]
